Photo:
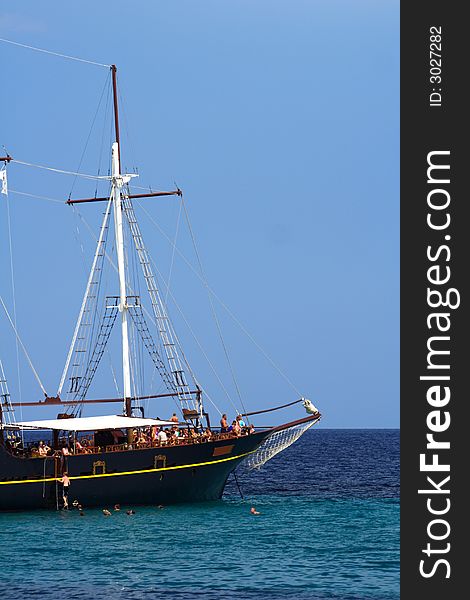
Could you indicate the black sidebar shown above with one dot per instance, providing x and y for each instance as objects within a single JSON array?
[{"x": 435, "y": 299}]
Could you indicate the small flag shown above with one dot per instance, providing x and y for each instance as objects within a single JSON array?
[{"x": 3, "y": 180}]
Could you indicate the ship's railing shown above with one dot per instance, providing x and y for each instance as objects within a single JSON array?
[{"x": 31, "y": 450}]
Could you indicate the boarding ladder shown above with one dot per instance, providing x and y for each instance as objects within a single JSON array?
[
  {"x": 138, "y": 318},
  {"x": 106, "y": 326},
  {"x": 165, "y": 329},
  {"x": 86, "y": 328},
  {"x": 6, "y": 408}
]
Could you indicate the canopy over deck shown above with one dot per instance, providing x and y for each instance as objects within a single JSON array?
[{"x": 88, "y": 423}]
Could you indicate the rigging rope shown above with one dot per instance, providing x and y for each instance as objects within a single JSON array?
[
  {"x": 106, "y": 84},
  {"x": 188, "y": 325},
  {"x": 83, "y": 60},
  {"x": 35, "y": 196},
  {"x": 61, "y": 171},
  {"x": 214, "y": 313},
  {"x": 227, "y": 309},
  {"x": 12, "y": 276},
  {"x": 150, "y": 316},
  {"x": 78, "y": 239},
  {"x": 112, "y": 371},
  {"x": 108, "y": 97},
  {"x": 259, "y": 412},
  {"x": 134, "y": 362},
  {"x": 126, "y": 129},
  {"x": 173, "y": 255},
  {"x": 130, "y": 289},
  {"x": 23, "y": 347},
  {"x": 176, "y": 249},
  {"x": 101, "y": 245},
  {"x": 199, "y": 344}
]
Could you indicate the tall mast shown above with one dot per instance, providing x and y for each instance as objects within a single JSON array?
[
  {"x": 117, "y": 183},
  {"x": 120, "y": 200},
  {"x": 116, "y": 112}
]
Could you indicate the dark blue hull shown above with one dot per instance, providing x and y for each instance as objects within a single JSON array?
[{"x": 162, "y": 475}]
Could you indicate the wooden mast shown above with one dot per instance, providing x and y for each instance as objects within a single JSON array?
[
  {"x": 116, "y": 113},
  {"x": 176, "y": 192},
  {"x": 117, "y": 182},
  {"x": 57, "y": 401}
]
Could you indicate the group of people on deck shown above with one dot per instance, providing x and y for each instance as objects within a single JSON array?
[
  {"x": 176, "y": 435},
  {"x": 238, "y": 426},
  {"x": 145, "y": 437}
]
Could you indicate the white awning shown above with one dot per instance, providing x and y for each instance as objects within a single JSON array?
[{"x": 89, "y": 423}]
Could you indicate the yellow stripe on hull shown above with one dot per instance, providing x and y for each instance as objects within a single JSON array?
[{"x": 100, "y": 475}]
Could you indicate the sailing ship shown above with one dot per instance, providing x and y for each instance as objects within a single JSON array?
[{"x": 127, "y": 458}]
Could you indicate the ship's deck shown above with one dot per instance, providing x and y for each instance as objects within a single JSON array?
[{"x": 86, "y": 444}]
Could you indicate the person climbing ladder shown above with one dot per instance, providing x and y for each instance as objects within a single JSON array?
[{"x": 65, "y": 481}]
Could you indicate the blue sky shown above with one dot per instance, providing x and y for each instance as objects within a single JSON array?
[{"x": 280, "y": 121}]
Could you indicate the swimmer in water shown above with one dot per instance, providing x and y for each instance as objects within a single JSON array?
[
  {"x": 117, "y": 507},
  {"x": 253, "y": 511},
  {"x": 130, "y": 512},
  {"x": 106, "y": 512}
]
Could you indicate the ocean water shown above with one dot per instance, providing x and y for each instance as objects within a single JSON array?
[{"x": 328, "y": 529}]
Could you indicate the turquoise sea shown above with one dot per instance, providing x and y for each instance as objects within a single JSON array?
[{"x": 328, "y": 528}]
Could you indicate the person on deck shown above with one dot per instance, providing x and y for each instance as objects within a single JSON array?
[
  {"x": 223, "y": 424},
  {"x": 142, "y": 440},
  {"x": 135, "y": 436},
  {"x": 162, "y": 437},
  {"x": 118, "y": 436},
  {"x": 43, "y": 449},
  {"x": 82, "y": 447},
  {"x": 240, "y": 421},
  {"x": 174, "y": 418},
  {"x": 153, "y": 434},
  {"x": 175, "y": 433},
  {"x": 236, "y": 429}
]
